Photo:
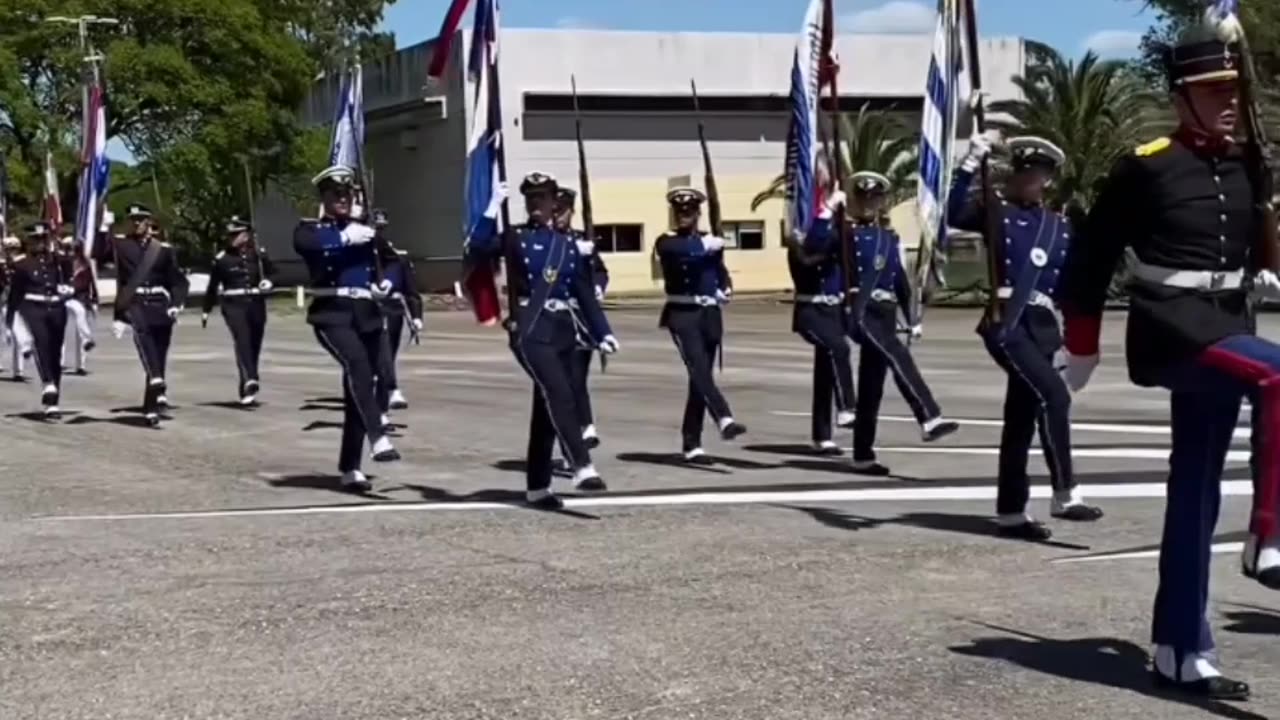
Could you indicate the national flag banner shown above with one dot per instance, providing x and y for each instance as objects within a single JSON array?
[
  {"x": 52, "y": 201},
  {"x": 485, "y": 171},
  {"x": 944, "y": 90},
  {"x": 95, "y": 170},
  {"x": 348, "y": 123},
  {"x": 444, "y": 39},
  {"x": 807, "y": 69}
]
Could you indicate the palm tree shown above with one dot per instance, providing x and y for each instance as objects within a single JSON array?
[
  {"x": 1094, "y": 110},
  {"x": 873, "y": 140}
]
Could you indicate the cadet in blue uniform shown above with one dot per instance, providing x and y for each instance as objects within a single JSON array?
[
  {"x": 344, "y": 311},
  {"x": 39, "y": 286},
  {"x": 154, "y": 308},
  {"x": 883, "y": 290},
  {"x": 404, "y": 305},
  {"x": 697, "y": 284},
  {"x": 241, "y": 278},
  {"x": 1186, "y": 204},
  {"x": 1025, "y": 341},
  {"x": 597, "y": 275},
  {"x": 555, "y": 306},
  {"x": 820, "y": 316}
]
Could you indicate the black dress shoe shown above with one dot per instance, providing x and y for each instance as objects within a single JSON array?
[
  {"x": 548, "y": 502},
  {"x": 941, "y": 430},
  {"x": 357, "y": 485},
  {"x": 1029, "y": 530},
  {"x": 591, "y": 484},
  {"x": 592, "y": 442},
  {"x": 829, "y": 451},
  {"x": 153, "y": 419},
  {"x": 80, "y": 372},
  {"x": 1079, "y": 513},
  {"x": 702, "y": 460},
  {"x": 874, "y": 469},
  {"x": 1268, "y": 577},
  {"x": 391, "y": 455},
  {"x": 90, "y": 345},
  {"x": 733, "y": 430},
  {"x": 1214, "y": 688}
]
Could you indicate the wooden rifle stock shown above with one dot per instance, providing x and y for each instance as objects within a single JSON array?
[
  {"x": 1258, "y": 161},
  {"x": 714, "y": 217},
  {"x": 991, "y": 225},
  {"x": 584, "y": 188}
]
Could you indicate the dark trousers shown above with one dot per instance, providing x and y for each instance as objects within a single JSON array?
[
  {"x": 47, "y": 323},
  {"x": 823, "y": 327},
  {"x": 581, "y": 392},
  {"x": 881, "y": 353},
  {"x": 1035, "y": 397},
  {"x": 1205, "y": 405},
  {"x": 358, "y": 353},
  {"x": 697, "y": 332},
  {"x": 247, "y": 321},
  {"x": 548, "y": 358},
  {"x": 387, "y": 379},
  {"x": 152, "y": 333}
]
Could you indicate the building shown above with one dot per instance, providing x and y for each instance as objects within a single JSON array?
[{"x": 640, "y": 131}]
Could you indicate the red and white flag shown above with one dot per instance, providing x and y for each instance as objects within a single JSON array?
[{"x": 52, "y": 201}]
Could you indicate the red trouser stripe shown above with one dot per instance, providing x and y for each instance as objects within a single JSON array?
[{"x": 1266, "y": 489}]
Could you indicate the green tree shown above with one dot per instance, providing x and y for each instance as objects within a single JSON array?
[
  {"x": 874, "y": 140},
  {"x": 1261, "y": 21}
]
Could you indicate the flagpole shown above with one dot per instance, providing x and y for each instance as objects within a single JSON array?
[{"x": 991, "y": 222}]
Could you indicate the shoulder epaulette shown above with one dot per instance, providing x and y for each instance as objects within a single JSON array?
[{"x": 1153, "y": 147}]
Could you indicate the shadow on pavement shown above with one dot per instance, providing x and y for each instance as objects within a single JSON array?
[
  {"x": 979, "y": 525},
  {"x": 230, "y": 405},
  {"x": 1252, "y": 620},
  {"x": 329, "y": 483},
  {"x": 512, "y": 498},
  {"x": 132, "y": 421},
  {"x": 784, "y": 449},
  {"x": 38, "y": 417},
  {"x": 322, "y": 425},
  {"x": 1109, "y": 662},
  {"x": 676, "y": 460}
]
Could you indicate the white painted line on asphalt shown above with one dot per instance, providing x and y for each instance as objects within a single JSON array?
[
  {"x": 907, "y": 494},
  {"x": 1123, "y": 429},
  {"x": 1120, "y": 453},
  {"x": 1216, "y": 549}
]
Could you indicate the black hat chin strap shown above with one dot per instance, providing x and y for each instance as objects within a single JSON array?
[{"x": 1182, "y": 90}]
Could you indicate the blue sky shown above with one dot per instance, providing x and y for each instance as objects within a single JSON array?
[{"x": 1112, "y": 27}]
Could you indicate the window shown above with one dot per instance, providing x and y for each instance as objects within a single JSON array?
[
  {"x": 745, "y": 235},
  {"x": 618, "y": 238}
]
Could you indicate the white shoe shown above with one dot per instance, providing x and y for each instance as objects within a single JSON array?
[
  {"x": 844, "y": 419},
  {"x": 398, "y": 401},
  {"x": 384, "y": 451},
  {"x": 248, "y": 400},
  {"x": 588, "y": 479}
]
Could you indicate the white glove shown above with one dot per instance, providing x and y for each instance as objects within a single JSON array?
[
  {"x": 1266, "y": 285},
  {"x": 118, "y": 329},
  {"x": 357, "y": 234},
  {"x": 265, "y": 286},
  {"x": 599, "y": 293},
  {"x": 173, "y": 313},
  {"x": 711, "y": 243},
  {"x": 381, "y": 289},
  {"x": 609, "y": 345},
  {"x": 66, "y": 291},
  {"x": 357, "y": 211},
  {"x": 980, "y": 145},
  {"x": 12, "y": 242},
  {"x": 417, "y": 324},
  {"x": 500, "y": 194},
  {"x": 1078, "y": 370},
  {"x": 586, "y": 247},
  {"x": 917, "y": 331},
  {"x": 724, "y": 296},
  {"x": 835, "y": 202}
]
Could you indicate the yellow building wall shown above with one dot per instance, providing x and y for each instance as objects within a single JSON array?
[{"x": 643, "y": 202}]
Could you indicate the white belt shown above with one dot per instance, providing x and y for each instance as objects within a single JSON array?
[
  {"x": 820, "y": 299},
  {"x": 354, "y": 293},
  {"x": 1189, "y": 279},
  {"x": 880, "y": 295},
  {"x": 146, "y": 290},
  {"x": 234, "y": 292},
  {"x": 43, "y": 298},
  {"x": 551, "y": 304},
  {"x": 700, "y": 300},
  {"x": 1037, "y": 297}
]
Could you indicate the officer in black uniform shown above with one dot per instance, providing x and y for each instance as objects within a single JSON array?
[
  {"x": 597, "y": 274},
  {"x": 403, "y": 306},
  {"x": 241, "y": 278},
  {"x": 150, "y": 266},
  {"x": 345, "y": 314},
  {"x": 1026, "y": 340},
  {"x": 820, "y": 316},
  {"x": 38, "y": 290},
  {"x": 883, "y": 290},
  {"x": 697, "y": 284},
  {"x": 543, "y": 273}
]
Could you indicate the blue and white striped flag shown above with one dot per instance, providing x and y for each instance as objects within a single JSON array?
[
  {"x": 347, "y": 145},
  {"x": 483, "y": 148},
  {"x": 802, "y": 140},
  {"x": 95, "y": 170},
  {"x": 945, "y": 89}
]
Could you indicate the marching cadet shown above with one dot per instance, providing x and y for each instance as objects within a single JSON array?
[
  {"x": 820, "y": 317},
  {"x": 241, "y": 277},
  {"x": 150, "y": 293},
  {"x": 82, "y": 306},
  {"x": 1187, "y": 206},
  {"x": 544, "y": 276},
  {"x": 15, "y": 333},
  {"x": 883, "y": 290},
  {"x": 1026, "y": 338},
  {"x": 697, "y": 284},
  {"x": 38, "y": 289},
  {"x": 597, "y": 276},
  {"x": 346, "y": 317},
  {"x": 403, "y": 306}
]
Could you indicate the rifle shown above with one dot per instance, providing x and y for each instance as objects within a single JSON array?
[
  {"x": 1258, "y": 165},
  {"x": 584, "y": 188},
  {"x": 992, "y": 230},
  {"x": 835, "y": 181},
  {"x": 713, "y": 193},
  {"x": 253, "y": 232}
]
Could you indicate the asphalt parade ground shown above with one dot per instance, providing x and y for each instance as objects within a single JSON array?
[{"x": 212, "y": 568}]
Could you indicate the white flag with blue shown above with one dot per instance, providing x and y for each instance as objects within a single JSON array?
[
  {"x": 95, "y": 170},
  {"x": 482, "y": 196},
  {"x": 802, "y": 134},
  {"x": 348, "y": 122},
  {"x": 944, "y": 90}
]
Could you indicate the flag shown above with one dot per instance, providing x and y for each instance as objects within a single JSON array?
[
  {"x": 348, "y": 122},
  {"x": 944, "y": 90},
  {"x": 52, "y": 202},
  {"x": 809, "y": 62},
  {"x": 444, "y": 40},
  {"x": 95, "y": 170},
  {"x": 485, "y": 170}
]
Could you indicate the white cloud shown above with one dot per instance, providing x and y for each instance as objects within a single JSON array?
[
  {"x": 573, "y": 22},
  {"x": 1114, "y": 43},
  {"x": 895, "y": 17}
]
